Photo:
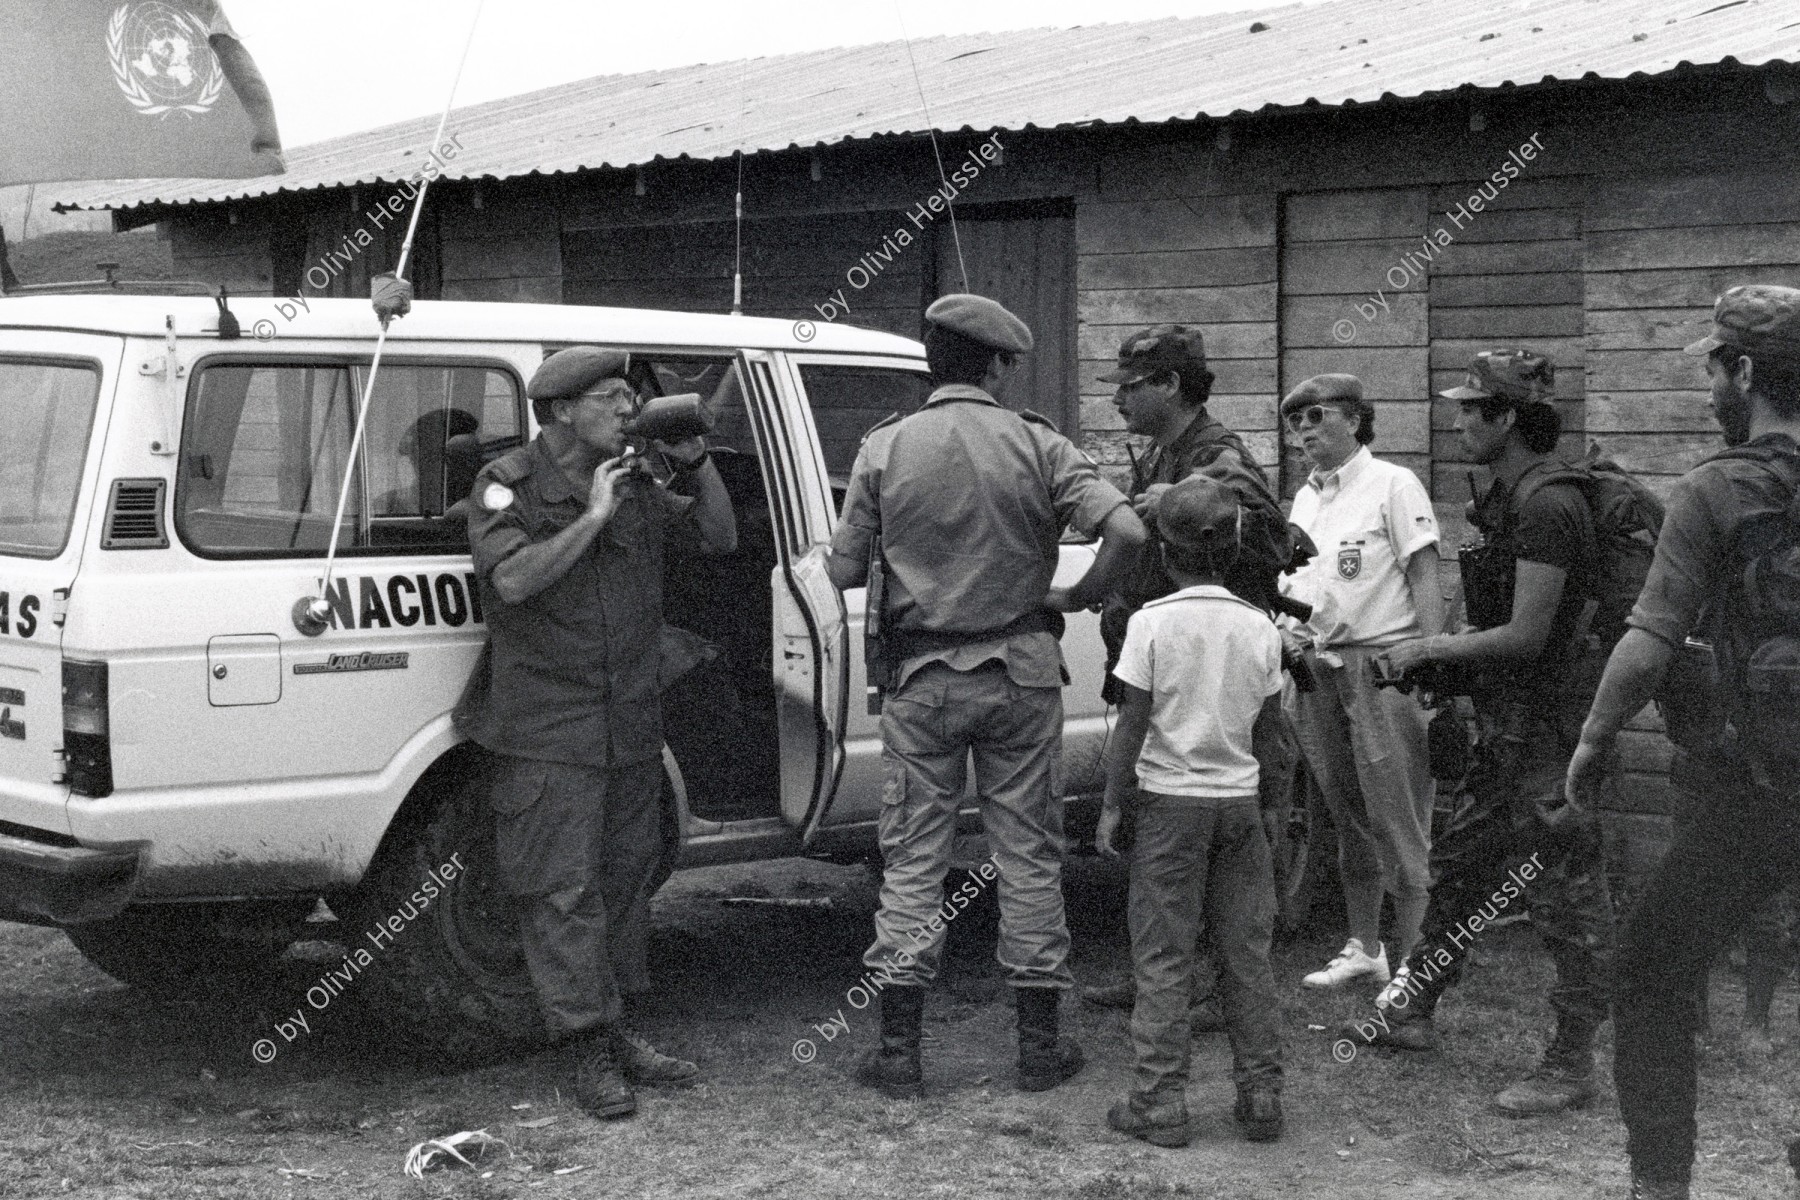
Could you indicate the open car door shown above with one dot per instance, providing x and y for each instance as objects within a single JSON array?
[{"x": 811, "y": 660}]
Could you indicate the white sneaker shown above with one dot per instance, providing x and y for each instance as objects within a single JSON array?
[
  {"x": 1349, "y": 964},
  {"x": 1400, "y": 986}
]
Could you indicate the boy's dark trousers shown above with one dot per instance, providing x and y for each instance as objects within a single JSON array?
[{"x": 1195, "y": 860}]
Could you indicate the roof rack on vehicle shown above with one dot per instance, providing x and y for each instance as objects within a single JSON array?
[{"x": 112, "y": 285}]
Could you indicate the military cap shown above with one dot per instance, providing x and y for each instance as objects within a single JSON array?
[
  {"x": 1199, "y": 513},
  {"x": 1516, "y": 375},
  {"x": 573, "y": 371},
  {"x": 1160, "y": 348},
  {"x": 1755, "y": 316},
  {"x": 1325, "y": 389},
  {"x": 980, "y": 320}
]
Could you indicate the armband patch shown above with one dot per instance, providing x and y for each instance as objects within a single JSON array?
[{"x": 496, "y": 497}]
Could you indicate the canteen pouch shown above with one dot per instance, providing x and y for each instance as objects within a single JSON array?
[
  {"x": 1689, "y": 697},
  {"x": 1447, "y": 742},
  {"x": 1487, "y": 579}
]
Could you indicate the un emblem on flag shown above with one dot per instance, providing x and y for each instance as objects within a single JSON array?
[
  {"x": 161, "y": 59},
  {"x": 1350, "y": 562}
]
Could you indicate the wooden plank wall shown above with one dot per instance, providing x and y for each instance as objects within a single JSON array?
[
  {"x": 1338, "y": 250},
  {"x": 1208, "y": 261},
  {"x": 509, "y": 248}
]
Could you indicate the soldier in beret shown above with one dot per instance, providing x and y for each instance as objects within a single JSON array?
[
  {"x": 567, "y": 538},
  {"x": 965, "y": 502},
  {"x": 1726, "y": 569},
  {"x": 1536, "y": 671}
]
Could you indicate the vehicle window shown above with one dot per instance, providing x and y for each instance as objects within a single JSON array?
[
  {"x": 47, "y": 410},
  {"x": 265, "y": 446},
  {"x": 848, "y": 401}
]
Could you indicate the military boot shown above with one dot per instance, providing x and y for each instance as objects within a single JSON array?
[
  {"x": 1161, "y": 1121},
  {"x": 1045, "y": 1058},
  {"x": 893, "y": 1068},
  {"x": 644, "y": 1063},
  {"x": 1258, "y": 1110},
  {"x": 1565, "y": 1079},
  {"x": 600, "y": 1085},
  {"x": 1644, "y": 1187}
]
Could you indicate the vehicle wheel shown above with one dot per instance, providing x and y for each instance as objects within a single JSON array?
[
  {"x": 454, "y": 975},
  {"x": 1305, "y": 854},
  {"x": 171, "y": 949}
]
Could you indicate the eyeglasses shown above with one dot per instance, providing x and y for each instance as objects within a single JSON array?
[
  {"x": 1309, "y": 416},
  {"x": 613, "y": 395}
]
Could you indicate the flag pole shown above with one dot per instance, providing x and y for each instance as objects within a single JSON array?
[{"x": 312, "y": 614}]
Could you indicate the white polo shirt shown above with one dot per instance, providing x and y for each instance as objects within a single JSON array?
[
  {"x": 1367, "y": 518},
  {"x": 1208, "y": 660}
]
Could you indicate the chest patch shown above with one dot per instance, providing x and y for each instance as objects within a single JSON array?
[
  {"x": 1349, "y": 562},
  {"x": 496, "y": 497}
]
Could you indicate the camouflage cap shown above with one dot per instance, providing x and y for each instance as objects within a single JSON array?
[
  {"x": 1159, "y": 348},
  {"x": 1516, "y": 375},
  {"x": 1755, "y": 316},
  {"x": 1199, "y": 513}
]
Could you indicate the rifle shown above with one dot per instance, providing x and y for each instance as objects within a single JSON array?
[{"x": 878, "y": 664}]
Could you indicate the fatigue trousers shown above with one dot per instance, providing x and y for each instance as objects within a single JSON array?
[
  {"x": 931, "y": 727},
  {"x": 1720, "y": 868},
  {"x": 1192, "y": 860},
  {"x": 580, "y": 846},
  {"x": 1519, "y": 759}
]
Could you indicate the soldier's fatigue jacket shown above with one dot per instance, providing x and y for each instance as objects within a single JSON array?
[
  {"x": 969, "y": 500},
  {"x": 1728, "y": 858},
  {"x": 1528, "y": 721},
  {"x": 570, "y": 675}
]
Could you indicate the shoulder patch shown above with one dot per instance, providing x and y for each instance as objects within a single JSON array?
[
  {"x": 496, "y": 497},
  {"x": 890, "y": 419},
  {"x": 1039, "y": 419}
]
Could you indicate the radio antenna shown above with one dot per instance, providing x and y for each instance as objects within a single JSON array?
[
  {"x": 931, "y": 129},
  {"x": 312, "y": 613}
]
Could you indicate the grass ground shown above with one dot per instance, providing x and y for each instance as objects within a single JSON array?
[{"x": 110, "y": 1095}]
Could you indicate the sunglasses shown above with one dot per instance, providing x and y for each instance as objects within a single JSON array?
[{"x": 1309, "y": 416}]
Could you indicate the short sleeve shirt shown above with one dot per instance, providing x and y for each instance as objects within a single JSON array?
[
  {"x": 1368, "y": 517},
  {"x": 1208, "y": 660},
  {"x": 571, "y": 674},
  {"x": 1695, "y": 562},
  {"x": 970, "y": 500}
]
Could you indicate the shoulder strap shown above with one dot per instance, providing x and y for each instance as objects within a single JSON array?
[
  {"x": 1039, "y": 419},
  {"x": 1536, "y": 481},
  {"x": 510, "y": 467},
  {"x": 890, "y": 419}
]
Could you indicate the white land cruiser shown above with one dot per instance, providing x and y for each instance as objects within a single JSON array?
[{"x": 184, "y": 774}]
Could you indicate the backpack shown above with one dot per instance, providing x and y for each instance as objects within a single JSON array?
[
  {"x": 1627, "y": 518},
  {"x": 1760, "y": 659}
]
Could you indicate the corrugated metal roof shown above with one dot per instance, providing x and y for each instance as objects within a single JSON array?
[{"x": 1337, "y": 53}]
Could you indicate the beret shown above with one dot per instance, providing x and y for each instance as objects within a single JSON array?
[
  {"x": 1518, "y": 375},
  {"x": 1157, "y": 349},
  {"x": 1198, "y": 513},
  {"x": 1325, "y": 389},
  {"x": 982, "y": 320},
  {"x": 1755, "y": 316},
  {"x": 573, "y": 371}
]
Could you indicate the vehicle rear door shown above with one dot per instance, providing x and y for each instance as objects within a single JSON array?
[
  {"x": 811, "y": 633},
  {"x": 55, "y": 388}
]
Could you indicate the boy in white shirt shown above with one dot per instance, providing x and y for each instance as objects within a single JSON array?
[{"x": 1199, "y": 668}]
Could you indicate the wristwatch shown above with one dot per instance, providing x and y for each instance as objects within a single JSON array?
[{"x": 691, "y": 467}]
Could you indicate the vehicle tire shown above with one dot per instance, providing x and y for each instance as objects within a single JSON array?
[
  {"x": 454, "y": 976},
  {"x": 1305, "y": 855},
  {"x": 176, "y": 949}
]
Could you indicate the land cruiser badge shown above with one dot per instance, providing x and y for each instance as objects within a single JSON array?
[{"x": 366, "y": 661}]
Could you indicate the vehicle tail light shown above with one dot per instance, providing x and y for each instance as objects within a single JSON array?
[{"x": 87, "y": 737}]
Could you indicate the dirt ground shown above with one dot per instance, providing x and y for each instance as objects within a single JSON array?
[{"x": 107, "y": 1094}]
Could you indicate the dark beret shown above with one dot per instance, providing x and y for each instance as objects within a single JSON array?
[
  {"x": 1755, "y": 316},
  {"x": 1325, "y": 389},
  {"x": 981, "y": 320},
  {"x": 573, "y": 371}
]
